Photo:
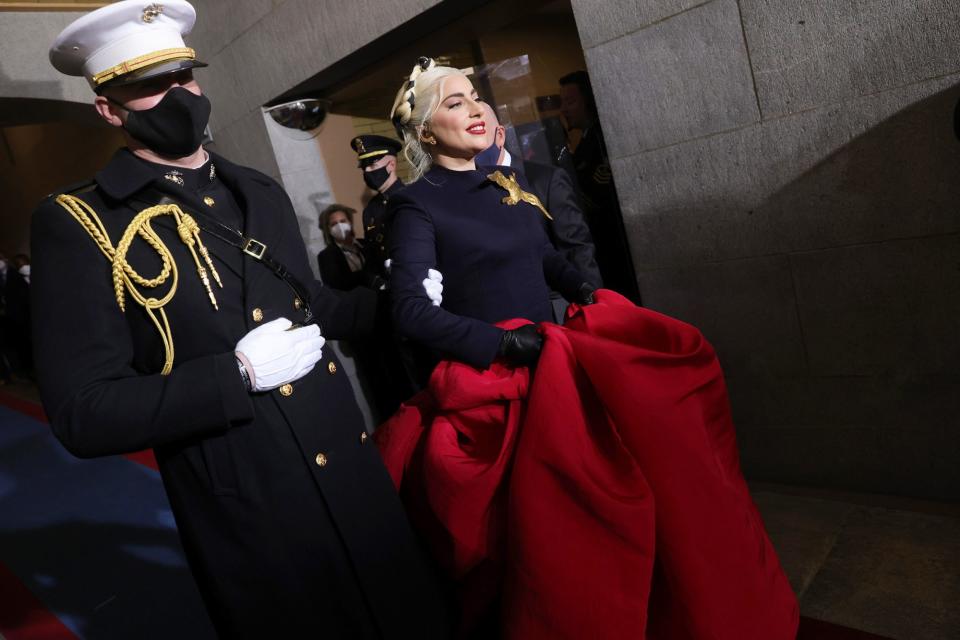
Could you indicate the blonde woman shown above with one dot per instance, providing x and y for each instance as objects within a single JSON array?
[
  {"x": 497, "y": 262},
  {"x": 599, "y": 497}
]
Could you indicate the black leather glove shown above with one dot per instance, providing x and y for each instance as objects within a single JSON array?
[
  {"x": 585, "y": 294},
  {"x": 521, "y": 347}
]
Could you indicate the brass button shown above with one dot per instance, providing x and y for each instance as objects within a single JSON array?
[
  {"x": 286, "y": 390},
  {"x": 297, "y": 304},
  {"x": 331, "y": 367},
  {"x": 257, "y": 314},
  {"x": 207, "y": 200},
  {"x": 363, "y": 437},
  {"x": 321, "y": 460}
]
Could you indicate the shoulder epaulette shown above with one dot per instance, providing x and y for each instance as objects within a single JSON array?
[{"x": 77, "y": 187}]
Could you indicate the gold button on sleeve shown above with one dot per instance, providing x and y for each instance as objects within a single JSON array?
[
  {"x": 321, "y": 460},
  {"x": 257, "y": 314},
  {"x": 363, "y": 437},
  {"x": 332, "y": 367},
  {"x": 297, "y": 303},
  {"x": 207, "y": 200},
  {"x": 286, "y": 390}
]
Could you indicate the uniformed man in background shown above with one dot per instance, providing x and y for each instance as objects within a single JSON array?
[
  {"x": 595, "y": 184},
  {"x": 199, "y": 331},
  {"x": 377, "y": 158}
]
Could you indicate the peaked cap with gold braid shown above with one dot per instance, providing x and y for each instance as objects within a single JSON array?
[{"x": 126, "y": 42}]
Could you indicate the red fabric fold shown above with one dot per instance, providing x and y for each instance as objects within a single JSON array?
[{"x": 603, "y": 497}]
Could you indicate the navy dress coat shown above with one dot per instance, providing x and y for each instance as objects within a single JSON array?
[
  {"x": 335, "y": 270},
  {"x": 376, "y": 225},
  {"x": 291, "y": 525},
  {"x": 497, "y": 263}
]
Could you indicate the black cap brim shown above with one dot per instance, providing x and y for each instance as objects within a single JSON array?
[{"x": 164, "y": 68}]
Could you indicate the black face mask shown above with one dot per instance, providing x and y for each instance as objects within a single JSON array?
[
  {"x": 376, "y": 178},
  {"x": 174, "y": 126}
]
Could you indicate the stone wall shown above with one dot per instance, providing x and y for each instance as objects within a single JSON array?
[
  {"x": 258, "y": 50},
  {"x": 25, "y": 69},
  {"x": 789, "y": 179}
]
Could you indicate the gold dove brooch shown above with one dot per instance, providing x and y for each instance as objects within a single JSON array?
[{"x": 515, "y": 194}]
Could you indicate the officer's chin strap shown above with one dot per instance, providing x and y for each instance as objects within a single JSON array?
[{"x": 125, "y": 278}]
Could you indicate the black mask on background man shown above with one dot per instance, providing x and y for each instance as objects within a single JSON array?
[
  {"x": 376, "y": 178},
  {"x": 174, "y": 126}
]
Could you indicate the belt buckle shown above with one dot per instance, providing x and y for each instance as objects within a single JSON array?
[{"x": 254, "y": 248}]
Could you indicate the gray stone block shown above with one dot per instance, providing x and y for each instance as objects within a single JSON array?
[
  {"x": 745, "y": 308},
  {"x": 917, "y": 460},
  {"x": 599, "y": 21},
  {"x": 25, "y": 69},
  {"x": 882, "y": 558},
  {"x": 871, "y": 169},
  {"x": 298, "y": 39},
  {"x": 807, "y": 53},
  {"x": 219, "y": 23},
  {"x": 887, "y": 309},
  {"x": 844, "y": 402},
  {"x": 682, "y": 78},
  {"x": 246, "y": 142},
  {"x": 879, "y": 435},
  {"x": 227, "y": 96}
]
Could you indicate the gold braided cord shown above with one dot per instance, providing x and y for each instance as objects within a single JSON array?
[
  {"x": 125, "y": 277},
  {"x": 149, "y": 59}
]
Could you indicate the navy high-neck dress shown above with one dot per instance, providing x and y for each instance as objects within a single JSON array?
[{"x": 496, "y": 260}]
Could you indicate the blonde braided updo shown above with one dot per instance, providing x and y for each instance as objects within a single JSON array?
[{"x": 417, "y": 100}]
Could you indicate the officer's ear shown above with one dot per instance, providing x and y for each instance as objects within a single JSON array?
[
  {"x": 108, "y": 111},
  {"x": 500, "y": 137},
  {"x": 391, "y": 164}
]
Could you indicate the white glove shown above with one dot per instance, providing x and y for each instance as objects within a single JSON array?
[
  {"x": 433, "y": 285},
  {"x": 278, "y": 354},
  {"x": 386, "y": 265}
]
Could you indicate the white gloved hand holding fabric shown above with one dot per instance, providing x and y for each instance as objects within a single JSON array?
[
  {"x": 277, "y": 354},
  {"x": 433, "y": 285}
]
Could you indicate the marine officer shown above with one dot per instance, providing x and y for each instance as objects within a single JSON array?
[{"x": 199, "y": 332}]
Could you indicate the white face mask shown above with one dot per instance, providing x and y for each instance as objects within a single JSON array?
[{"x": 340, "y": 230}]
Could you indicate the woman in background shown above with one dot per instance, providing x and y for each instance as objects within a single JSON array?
[{"x": 344, "y": 263}]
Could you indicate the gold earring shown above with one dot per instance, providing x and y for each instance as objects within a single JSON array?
[{"x": 430, "y": 140}]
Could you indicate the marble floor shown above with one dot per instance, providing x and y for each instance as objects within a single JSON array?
[{"x": 889, "y": 566}]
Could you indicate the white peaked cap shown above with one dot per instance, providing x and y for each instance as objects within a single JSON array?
[{"x": 126, "y": 42}]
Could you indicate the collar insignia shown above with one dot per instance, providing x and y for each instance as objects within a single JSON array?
[{"x": 174, "y": 176}]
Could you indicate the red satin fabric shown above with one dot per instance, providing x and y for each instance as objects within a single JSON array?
[{"x": 600, "y": 499}]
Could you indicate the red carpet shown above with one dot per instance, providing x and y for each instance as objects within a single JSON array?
[
  {"x": 23, "y": 616},
  {"x": 34, "y": 410}
]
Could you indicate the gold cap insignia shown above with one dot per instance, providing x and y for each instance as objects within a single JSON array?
[
  {"x": 150, "y": 12},
  {"x": 358, "y": 146}
]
